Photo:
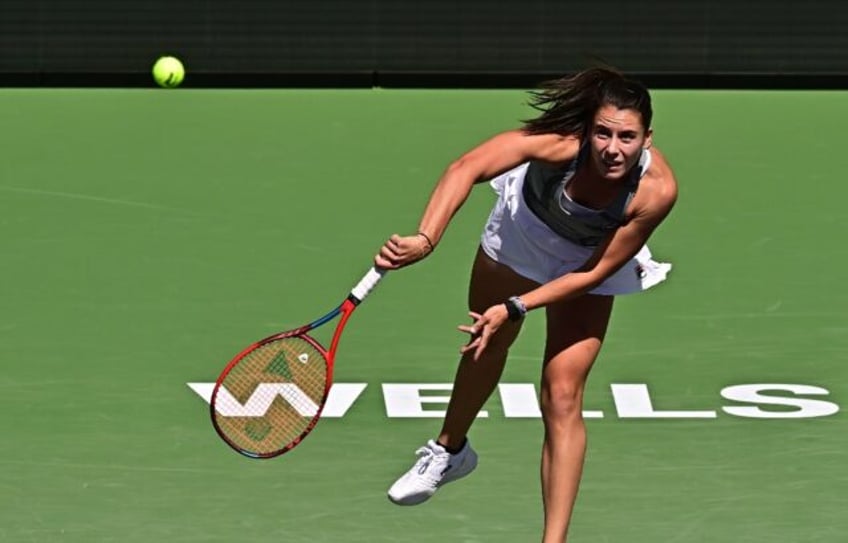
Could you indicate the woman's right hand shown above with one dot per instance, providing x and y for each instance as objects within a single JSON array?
[{"x": 400, "y": 251}]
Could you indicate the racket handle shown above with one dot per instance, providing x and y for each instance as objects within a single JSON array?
[{"x": 367, "y": 284}]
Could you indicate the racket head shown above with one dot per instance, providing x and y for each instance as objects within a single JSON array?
[{"x": 270, "y": 396}]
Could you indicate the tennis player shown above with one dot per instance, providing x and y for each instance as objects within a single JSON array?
[{"x": 580, "y": 190}]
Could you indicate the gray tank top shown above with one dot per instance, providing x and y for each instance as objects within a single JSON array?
[{"x": 545, "y": 195}]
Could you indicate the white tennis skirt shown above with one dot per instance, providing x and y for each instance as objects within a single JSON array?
[{"x": 516, "y": 237}]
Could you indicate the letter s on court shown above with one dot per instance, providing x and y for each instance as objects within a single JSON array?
[{"x": 806, "y": 408}]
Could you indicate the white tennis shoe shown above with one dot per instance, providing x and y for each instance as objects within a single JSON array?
[{"x": 434, "y": 468}]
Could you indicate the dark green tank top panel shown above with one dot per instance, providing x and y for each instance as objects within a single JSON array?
[{"x": 544, "y": 194}]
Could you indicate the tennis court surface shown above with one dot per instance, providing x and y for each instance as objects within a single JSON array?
[{"x": 148, "y": 236}]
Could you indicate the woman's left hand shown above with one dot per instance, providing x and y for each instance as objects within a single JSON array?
[{"x": 483, "y": 328}]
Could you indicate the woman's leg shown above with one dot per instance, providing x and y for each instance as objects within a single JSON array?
[
  {"x": 491, "y": 283},
  {"x": 575, "y": 332}
]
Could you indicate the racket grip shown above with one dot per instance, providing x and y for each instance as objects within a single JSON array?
[{"x": 367, "y": 284}]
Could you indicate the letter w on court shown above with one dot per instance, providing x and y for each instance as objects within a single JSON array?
[{"x": 260, "y": 401}]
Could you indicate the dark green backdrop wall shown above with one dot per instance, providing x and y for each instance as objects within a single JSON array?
[{"x": 369, "y": 41}]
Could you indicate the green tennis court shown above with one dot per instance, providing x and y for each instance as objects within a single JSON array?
[{"x": 146, "y": 236}]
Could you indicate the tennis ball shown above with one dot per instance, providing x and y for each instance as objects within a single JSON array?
[{"x": 168, "y": 72}]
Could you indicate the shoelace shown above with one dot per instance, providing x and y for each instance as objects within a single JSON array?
[{"x": 426, "y": 456}]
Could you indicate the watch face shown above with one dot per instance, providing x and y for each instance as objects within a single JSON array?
[{"x": 515, "y": 308}]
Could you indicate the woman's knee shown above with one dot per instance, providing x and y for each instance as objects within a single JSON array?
[{"x": 561, "y": 401}]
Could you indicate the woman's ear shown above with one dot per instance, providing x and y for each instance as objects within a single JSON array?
[{"x": 649, "y": 138}]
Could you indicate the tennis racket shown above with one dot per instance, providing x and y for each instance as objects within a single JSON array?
[{"x": 270, "y": 396}]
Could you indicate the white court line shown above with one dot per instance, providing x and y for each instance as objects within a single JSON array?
[{"x": 85, "y": 197}]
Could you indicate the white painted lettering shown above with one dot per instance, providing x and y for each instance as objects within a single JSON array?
[
  {"x": 806, "y": 408},
  {"x": 404, "y": 400},
  {"x": 634, "y": 402}
]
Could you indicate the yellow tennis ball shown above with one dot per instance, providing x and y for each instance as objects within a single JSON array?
[{"x": 168, "y": 72}]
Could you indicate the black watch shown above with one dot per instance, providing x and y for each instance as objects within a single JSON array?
[{"x": 515, "y": 308}]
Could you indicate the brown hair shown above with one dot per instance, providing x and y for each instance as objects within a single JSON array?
[{"x": 569, "y": 104}]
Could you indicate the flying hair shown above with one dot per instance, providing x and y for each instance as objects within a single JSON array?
[{"x": 568, "y": 105}]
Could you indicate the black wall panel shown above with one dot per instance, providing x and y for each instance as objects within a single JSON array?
[{"x": 379, "y": 38}]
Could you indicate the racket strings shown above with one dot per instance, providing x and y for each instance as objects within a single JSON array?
[{"x": 271, "y": 396}]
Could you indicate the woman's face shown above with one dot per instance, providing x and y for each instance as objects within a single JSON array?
[{"x": 617, "y": 137}]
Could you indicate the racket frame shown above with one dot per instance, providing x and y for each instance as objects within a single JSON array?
[{"x": 345, "y": 309}]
